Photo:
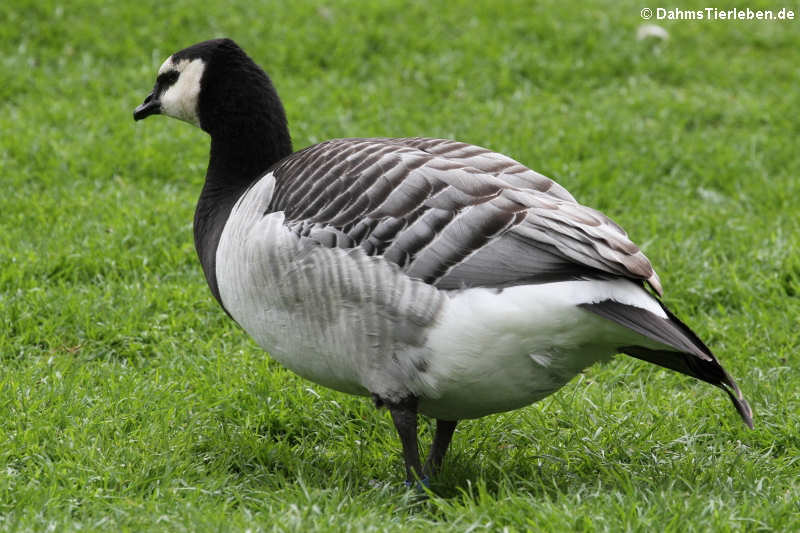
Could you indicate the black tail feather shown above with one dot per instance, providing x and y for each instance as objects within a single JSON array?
[
  {"x": 740, "y": 404},
  {"x": 708, "y": 371},
  {"x": 692, "y": 357}
]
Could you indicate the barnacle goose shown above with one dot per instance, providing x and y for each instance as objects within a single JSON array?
[{"x": 438, "y": 277}]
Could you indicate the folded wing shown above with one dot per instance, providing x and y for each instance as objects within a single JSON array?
[{"x": 450, "y": 213}]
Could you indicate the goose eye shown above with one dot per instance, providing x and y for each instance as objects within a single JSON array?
[{"x": 167, "y": 78}]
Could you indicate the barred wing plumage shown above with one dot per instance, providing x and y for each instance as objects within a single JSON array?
[{"x": 450, "y": 213}]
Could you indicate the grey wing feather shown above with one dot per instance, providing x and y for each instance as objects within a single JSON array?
[
  {"x": 486, "y": 161},
  {"x": 450, "y": 213}
]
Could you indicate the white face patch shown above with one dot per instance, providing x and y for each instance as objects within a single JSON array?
[{"x": 180, "y": 98}]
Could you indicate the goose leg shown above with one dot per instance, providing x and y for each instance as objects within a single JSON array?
[
  {"x": 441, "y": 441},
  {"x": 404, "y": 416}
]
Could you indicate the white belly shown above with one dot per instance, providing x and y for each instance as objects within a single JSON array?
[{"x": 500, "y": 350}]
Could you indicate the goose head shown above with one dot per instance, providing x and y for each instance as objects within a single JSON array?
[{"x": 217, "y": 87}]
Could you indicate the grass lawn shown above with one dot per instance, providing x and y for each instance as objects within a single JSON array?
[{"x": 130, "y": 402}]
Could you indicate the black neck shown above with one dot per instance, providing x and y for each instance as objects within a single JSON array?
[
  {"x": 243, "y": 150},
  {"x": 241, "y": 153}
]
